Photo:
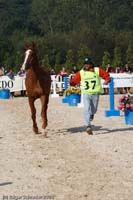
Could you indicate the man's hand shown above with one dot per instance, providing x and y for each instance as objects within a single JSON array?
[
  {"x": 71, "y": 82},
  {"x": 106, "y": 82}
]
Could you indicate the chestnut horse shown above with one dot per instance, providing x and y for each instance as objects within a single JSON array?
[{"x": 38, "y": 83}]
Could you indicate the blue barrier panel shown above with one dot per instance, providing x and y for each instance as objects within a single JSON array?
[
  {"x": 65, "y": 99},
  {"x": 65, "y": 79},
  {"x": 129, "y": 117},
  {"x": 65, "y": 82},
  {"x": 74, "y": 99},
  {"x": 4, "y": 94},
  {"x": 112, "y": 111}
]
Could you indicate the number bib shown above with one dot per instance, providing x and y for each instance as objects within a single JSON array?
[{"x": 90, "y": 82}]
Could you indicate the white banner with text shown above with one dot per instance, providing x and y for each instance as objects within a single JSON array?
[{"x": 18, "y": 83}]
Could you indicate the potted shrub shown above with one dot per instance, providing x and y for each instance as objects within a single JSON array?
[
  {"x": 126, "y": 106},
  {"x": 73, "y": 95}
]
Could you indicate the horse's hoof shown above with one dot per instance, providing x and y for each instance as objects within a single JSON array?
[
  {"x": 39, "y": 132},
  {"x": 44, "y": 126},
  {"x": 45, "y": 135},
  {"x": 36, "y": 131}
]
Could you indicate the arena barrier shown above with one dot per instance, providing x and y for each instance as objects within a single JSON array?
[
  {"x": 112, "y": 111},
  {"x": 108, "y": 113},
  {"x": 58, "y": 85}
]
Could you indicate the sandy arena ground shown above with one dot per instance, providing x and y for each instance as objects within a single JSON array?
[{"x": 69, "y": 164}]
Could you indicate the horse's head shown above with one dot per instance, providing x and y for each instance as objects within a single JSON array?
[{"x": 30, "y": 55}]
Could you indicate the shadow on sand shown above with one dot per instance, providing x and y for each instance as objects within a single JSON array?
[
  {"x": 99, "y": 128},
  {"x": 6, "y": 183}
]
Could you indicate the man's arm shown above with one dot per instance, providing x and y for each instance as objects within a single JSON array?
[
  {"x": 76, "y": 79},
  {"x": 104, "y": 75}
]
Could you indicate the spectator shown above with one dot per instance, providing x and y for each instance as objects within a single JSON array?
[
  {"x": 110, "y": 69},
  {"x": 63, "y": 72},
  {"x": 127, "y": 70},
  {"x": 74, "y": 69},
  {"x": 1, "y": 72},
  {"x": 10, "y": 74},
  {"x": 3, "y": 68},
  {"x": 21, "y": 73},
  {"x": 119, "y": 70},
  {"x": 52, "y": 72}
]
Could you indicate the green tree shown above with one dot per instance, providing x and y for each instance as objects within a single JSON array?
[
  {"x": 18, "y": 61},
  {"x": 42, "y": 16},
  {"x": 117, "y": 60},
  {"x": 106, "y": 59},
  {"x": 83, "y": 52},
  {"x": 45, "y": 61},
  {"x": 57, "y": 62},
  {"x": 129, "y": 55},
  {"x": 69, "y": 60},
  {"x": 7, "y": 61},
  {"x": 63, "y": 25}
]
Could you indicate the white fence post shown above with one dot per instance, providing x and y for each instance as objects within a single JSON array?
[{"x": 54, "y": 87}]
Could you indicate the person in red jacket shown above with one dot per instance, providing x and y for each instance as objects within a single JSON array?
[{"x": 90, "y": 79}]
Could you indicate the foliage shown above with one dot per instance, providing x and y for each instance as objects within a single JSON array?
[
  {"x": 83, "y": 52},
  {"x": 125, "y": 103},
  {"x": 129, "y": 55},
  {"x": 117, "y": 61},
  {"x": 106, "y": 59},
  {"x": 59, "y": 26},
  {"x": 72, "y": 90},
  {"x": 18, "y": 61},
  {"x": 69, "y": 59},
  {"x": 57, "y": 62},
  {"x": 45, "y": 61}
]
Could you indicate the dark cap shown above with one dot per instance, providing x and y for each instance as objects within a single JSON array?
[{"x": 88, "y": 60}]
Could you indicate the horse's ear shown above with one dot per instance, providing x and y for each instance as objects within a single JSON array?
[
  {"x": 25, "y": 47},
  {"x": 33, "y": 45}
]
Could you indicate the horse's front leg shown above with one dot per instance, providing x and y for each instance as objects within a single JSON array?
[
  {"x": 33, "y": 113},
  {"x": 44, "y": 102}
]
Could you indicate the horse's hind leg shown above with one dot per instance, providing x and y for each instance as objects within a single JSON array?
[
  {"x": 44, "y": 102},
  {"x": 33, "y": 113}
]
